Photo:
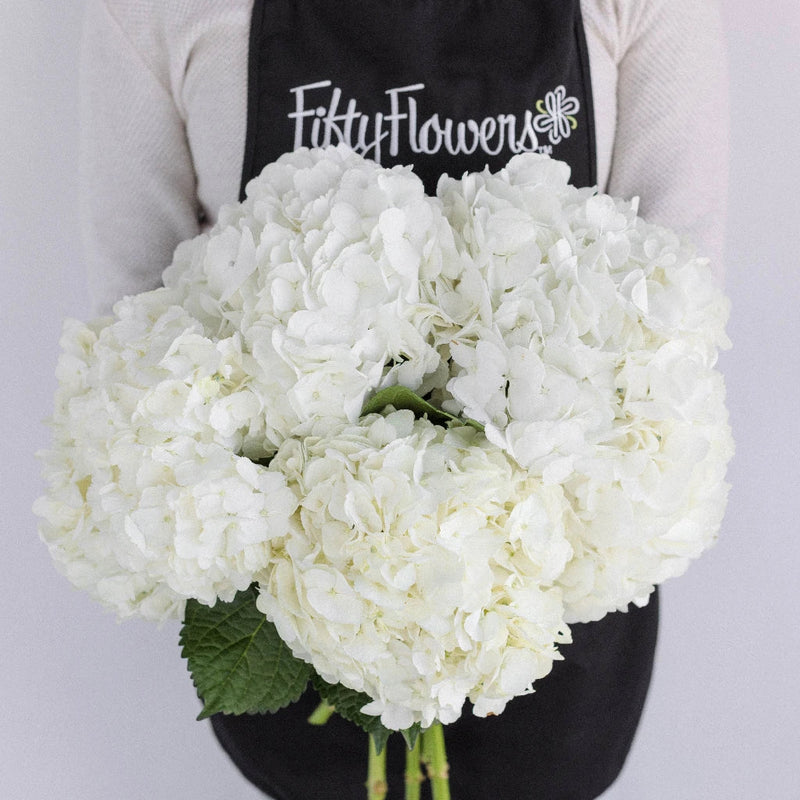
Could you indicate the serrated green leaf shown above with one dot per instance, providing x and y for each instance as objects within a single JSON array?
[
  {"x": 402, "y": 397},
  {"x": 238, "y": 662}
]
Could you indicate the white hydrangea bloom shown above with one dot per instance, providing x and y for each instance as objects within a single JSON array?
[
  {"x": 326, "y": 272},
  {"x": 150, "y": 503},
  {"x": 587, "y": 347},
  {"x": 419, "y": 568}
]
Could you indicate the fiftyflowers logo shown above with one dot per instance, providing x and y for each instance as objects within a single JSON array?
[{"x": 324, "y": 117}]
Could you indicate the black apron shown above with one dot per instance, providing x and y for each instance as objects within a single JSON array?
[{"x": 448, "y": 86}]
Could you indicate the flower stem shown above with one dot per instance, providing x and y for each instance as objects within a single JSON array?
[
  {"x": 321, "y": 714},
  {"x": 435, "y": 758},
  {"x": 376, "y": 773},
  {"x": 414, "y": 774}
]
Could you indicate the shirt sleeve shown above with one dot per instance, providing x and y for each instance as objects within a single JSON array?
[
  {"x": 138, "y": 186},
  {"x": 671, "y": 143}
]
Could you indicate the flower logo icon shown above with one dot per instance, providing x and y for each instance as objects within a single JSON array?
[{"x": 556, "y": 115}]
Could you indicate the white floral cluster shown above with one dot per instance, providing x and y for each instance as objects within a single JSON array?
[
  {"x": 329, "y": 272},
  {"x": 149, "y": 501},
  {"x": 210, "y": 435},
  {"x": 420, "y": 568},
  {"x": 588, "y": 351}
]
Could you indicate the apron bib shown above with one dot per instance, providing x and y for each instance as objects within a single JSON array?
[{"x": 449, "y": 86}]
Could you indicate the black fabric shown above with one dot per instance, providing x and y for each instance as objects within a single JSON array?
[
  {"x": 566, "y": 741},
  {"x": 482, "y": 69},
  {"x": 477, "y": 60}
]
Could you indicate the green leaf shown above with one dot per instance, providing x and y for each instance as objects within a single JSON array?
[
  {"x": 412, "y": 734},
  {"x": 401, "y": 397},
  {"x": 238, "y": 662},
  {"x": 348, "y": 704}
]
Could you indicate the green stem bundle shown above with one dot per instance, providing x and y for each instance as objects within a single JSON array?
[{"x": 428, "y": 752}]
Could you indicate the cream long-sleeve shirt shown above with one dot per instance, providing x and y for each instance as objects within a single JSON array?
[{"x": 164, "y": 97}]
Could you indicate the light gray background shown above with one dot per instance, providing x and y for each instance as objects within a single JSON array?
[{"x": 92, "y": 710}]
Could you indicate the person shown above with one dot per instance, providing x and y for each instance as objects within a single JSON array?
[{"x": 183, "y": 102}]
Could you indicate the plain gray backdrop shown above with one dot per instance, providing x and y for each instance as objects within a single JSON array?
[{"x": 95, "y": 710}]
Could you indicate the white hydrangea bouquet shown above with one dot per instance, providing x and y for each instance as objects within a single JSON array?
[{"x": 393, "y": 444}]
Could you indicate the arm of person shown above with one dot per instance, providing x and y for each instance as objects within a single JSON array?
[
  {"x": 671, "y": 144},
  {"x": 138, "y": 185}
]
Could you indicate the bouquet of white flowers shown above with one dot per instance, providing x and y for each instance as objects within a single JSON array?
[{"x": 393, "y": 444}]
